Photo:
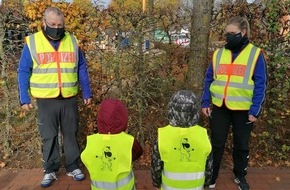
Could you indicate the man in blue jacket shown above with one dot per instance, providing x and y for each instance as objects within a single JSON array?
[{"x": 50, "y": 69}]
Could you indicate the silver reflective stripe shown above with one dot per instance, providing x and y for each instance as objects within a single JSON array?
[
  {"x": 69, "y": 84},
  {"x": 54, "y": 70},
  {"x": 33, "y": 48},
  {"x": 249, "y": 64},
  {"x": 239, "y": 85},
  {"x": 76, "y": 48},
  {"x": 52, "y": 85},
  {"x": 219, "y": 56},
  {"x": 232, "y": 98},
  {"x": 218, "y": 96},
  {"x": 165, "y": 187},
  {"x": 218, "y": 59},
  {"x": 238, "y": 99},
  {"x": 235, "y": 84},
  {"x": 183, "y": 176},
  {"x": 113, "y": 185}
]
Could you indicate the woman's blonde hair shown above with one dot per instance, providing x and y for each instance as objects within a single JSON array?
[{"x": 241, "y": 22}]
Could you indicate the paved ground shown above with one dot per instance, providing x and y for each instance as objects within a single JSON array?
[{"x": 258, "y": 178}]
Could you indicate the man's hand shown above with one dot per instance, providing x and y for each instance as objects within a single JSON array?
[
  {"x": 27, "y": 107},
  {"x": 87, "y": 101}
]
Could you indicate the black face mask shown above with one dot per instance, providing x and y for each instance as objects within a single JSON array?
[
  {"x": 236, "y": 42},
  {"x": 55, "y": 33}
]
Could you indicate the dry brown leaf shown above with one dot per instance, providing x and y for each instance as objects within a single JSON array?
[{"x": 2, "y": 165}]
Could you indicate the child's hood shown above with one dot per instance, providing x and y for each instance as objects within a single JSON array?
[{"x": 112, "y": 117}]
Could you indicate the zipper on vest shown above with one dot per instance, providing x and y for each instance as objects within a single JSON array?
[{"x": 229, "y": 77}]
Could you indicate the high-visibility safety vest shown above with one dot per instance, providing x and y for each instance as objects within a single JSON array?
[
  {"x": 54, "y": 71},
  {"x": 108, "y": 158},
  {"x": 184, "y": 152},
  {"x": 233, "y": 82}
]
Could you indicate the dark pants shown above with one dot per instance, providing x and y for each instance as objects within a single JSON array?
[
  {"x": 222, "y": 119},
  {"x": 53, "y": 113}
]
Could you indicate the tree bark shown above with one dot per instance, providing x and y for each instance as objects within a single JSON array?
[
  {"x": 199, "y": 38},
  {"x": 4, "y": 82}
]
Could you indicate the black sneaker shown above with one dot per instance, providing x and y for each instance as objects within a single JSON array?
[{"x": 242, "y": 183}]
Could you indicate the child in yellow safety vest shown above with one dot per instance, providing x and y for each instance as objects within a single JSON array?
[
  {"x": 181, "y": 157},
  {"x": 109, "y": 154}
]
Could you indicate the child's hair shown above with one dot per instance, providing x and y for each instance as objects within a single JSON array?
[
  {"x": 183, "y": 109},
  {"x": 240, "y": 22}
]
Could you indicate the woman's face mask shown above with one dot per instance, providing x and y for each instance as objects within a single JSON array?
[{"x": 233, "y": 40}]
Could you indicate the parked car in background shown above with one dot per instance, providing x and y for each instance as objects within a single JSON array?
[{"x": 180, "y": 39}]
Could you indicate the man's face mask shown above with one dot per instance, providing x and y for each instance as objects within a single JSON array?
[{"x": 55, "y": 33}]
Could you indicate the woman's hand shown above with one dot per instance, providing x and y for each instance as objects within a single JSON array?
[
  {"x": 252, "y": 119},
  {"x": 206, "y": 111}
]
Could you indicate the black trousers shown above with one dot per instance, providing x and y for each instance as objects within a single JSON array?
[
  {"x": 53, "y": 113},
  {"x": 221, "y": 120}
]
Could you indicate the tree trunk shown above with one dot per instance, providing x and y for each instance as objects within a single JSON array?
[
  {"x": 140, "y": 87},
  {"x": 4, "y": 81},
  {"x": 199, "y": 38}
]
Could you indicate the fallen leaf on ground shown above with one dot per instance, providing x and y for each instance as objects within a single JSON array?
[{"x": 2, "y": 165}]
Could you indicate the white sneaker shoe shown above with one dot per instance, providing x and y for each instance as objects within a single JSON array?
[
  {"x": 76, "y": 174},
  {"x": 48, "y": 179},
  {"x": 212, "y": 186}
]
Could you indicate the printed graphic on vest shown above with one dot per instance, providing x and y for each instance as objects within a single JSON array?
[
  {"x": 184, "y": 150},
  {"x": 51, "y": 57},
  {"x": 232, "y": 69},
  {"x": 106, "y": 158}
]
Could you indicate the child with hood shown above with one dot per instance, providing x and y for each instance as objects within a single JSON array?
[
  {"x": 181, "y": 157},
  {"x": 109, "y": 154}
]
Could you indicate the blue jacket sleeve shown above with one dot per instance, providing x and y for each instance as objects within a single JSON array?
[
  {"x": 206, "y": 95},
  {"x": 84, "y": 77},
  {"x": 24, "y": 73},
  {"x": 260, "y": 84}
]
